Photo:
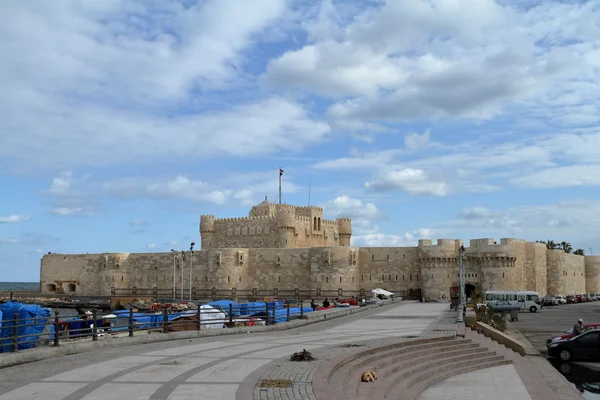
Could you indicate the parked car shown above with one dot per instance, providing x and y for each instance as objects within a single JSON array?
[
  {"x": 549, "y": 300},
  {"x": 570, "y": 299},
  {"x": 569, "y": 334},
  {"x": 561, "y": 300},
  {"x": 593, "y": 297},
  {"x": 504, "y": 305},
  {"x": 583, "y": 347},
  {"x": 580, "y": 299}
]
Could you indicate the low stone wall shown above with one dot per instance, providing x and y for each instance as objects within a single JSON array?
[
  {"x": 43, "y": 353},
  {"x": 501, "y": 338}
]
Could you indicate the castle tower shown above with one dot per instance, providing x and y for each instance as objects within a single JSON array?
[
  {"x": 286, "y": 225},
  {"x": 207, "y": 231},
  {"x": 345, "y": 231}
]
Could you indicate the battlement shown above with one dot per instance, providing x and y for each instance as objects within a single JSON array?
[
  {"x": 207, "y": 216},
  {"x": 487, "y": 245},
  {"x": 260, "y": 218},
  {"x": 445, "y": 248},
  {"x": 304, "y": 209},
  {"x": 343, "y": 220}
]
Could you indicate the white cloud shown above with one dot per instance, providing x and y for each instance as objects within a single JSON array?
[
  {"x": 347, "y": 207},
  {"x": 151, "y": 246},
  {"x": 416, "y": 141},
  {"x": 62, "y": 184},
  {"x": 186, "y": 189},
  {"x": 70, "y": 211},
  {"x": 417, "y": 59},
  {"x": 412, "y": 181},
  {"x": 569, "y": 176},
  {"x": 108, "y": 92},
  {"x": 29, "y": 239},
  {"x": 14, "y": 218},
  {"x": 571, "y": 220},
  {"x": 378, "y": 239}
]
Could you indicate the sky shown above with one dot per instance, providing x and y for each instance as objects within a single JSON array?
[{"x": 122, "y": 121}]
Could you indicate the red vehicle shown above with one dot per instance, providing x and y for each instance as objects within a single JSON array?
[
  {"x": 569, "y": 333},
  {"x": 581, "y": 299},
  {"x": 571, "y": 299}
]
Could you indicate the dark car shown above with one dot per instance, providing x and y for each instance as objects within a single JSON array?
[
  {"x": 570, "y": 299},
  {"x": 583, "y": 347},
  {"x": 585, "y": 379},
  {"x": 569, "y": 334}
]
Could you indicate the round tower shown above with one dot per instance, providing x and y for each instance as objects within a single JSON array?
[
  {"x": 345, "y": 230},
  {"x": 207, "y": 231},
  {"x": 286, "y": 224},
  {"x": 592, "y": 274}
]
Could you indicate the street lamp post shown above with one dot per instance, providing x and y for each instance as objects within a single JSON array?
[
  {"x": 591, "y": 252},
  {"x": 461, "y": 283},
  {"x": 181, "y": 264},
  {"x": 191, "y": 265},
  {"x": 174, "y": 277}
]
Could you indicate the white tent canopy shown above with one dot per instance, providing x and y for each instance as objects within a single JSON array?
[{"x": 382, "y": 292}]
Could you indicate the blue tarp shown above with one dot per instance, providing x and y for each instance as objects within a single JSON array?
[
  {"x": 32, "y": 321},
  {"x": 224, "y": 306}
]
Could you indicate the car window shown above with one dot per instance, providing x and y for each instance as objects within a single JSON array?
[
  {"x": 590, "y": 338},
  {"x": 570, "y": 331}
]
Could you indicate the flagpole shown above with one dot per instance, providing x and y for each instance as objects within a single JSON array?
[
  {"x": 280, "y": 173},
  {"x": 309, "y": 194}
]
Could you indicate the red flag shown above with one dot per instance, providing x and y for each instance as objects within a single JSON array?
[{"x": 280, "y": 172}]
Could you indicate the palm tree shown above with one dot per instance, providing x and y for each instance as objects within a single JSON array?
[
  {"x": 566, "y": 246},
  {"x": 579, "y": 252},
  {"x": 551, "y": 245}
]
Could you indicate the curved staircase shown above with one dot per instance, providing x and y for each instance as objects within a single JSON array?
[{"x": 403, "y": 369}]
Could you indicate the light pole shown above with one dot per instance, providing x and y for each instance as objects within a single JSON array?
[
  {"x": 191, "y": 265},
  {"x": 181, "y": 264},
  {"x": 461, "y": 284},
  {"x": 174, "y": 278},
  {"x": 591, "y": 252}
]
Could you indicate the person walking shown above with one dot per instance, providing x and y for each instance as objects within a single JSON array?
[{"x": 578, "y": 328}]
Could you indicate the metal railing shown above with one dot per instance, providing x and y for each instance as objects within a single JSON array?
[
  {"x": 20, "y": 334},
  {"x": 256, "y": 293}
]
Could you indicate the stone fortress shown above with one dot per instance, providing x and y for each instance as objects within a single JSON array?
[{"x": 290, "y": 248}]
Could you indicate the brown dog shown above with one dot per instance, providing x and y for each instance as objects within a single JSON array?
[{"x": 368, "y": 376}]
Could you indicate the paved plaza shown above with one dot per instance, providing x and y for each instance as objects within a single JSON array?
[{"x": 228, "y": 367}]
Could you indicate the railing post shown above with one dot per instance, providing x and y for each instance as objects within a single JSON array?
[
  {"x": 199, "y": 317},
  {"x": 301, "y": 309},
  {"x": 95, "y": 325},
  {"x": 288, "y": 311},
  {"x": 130, "y": 321},
  {"x": 273, "y": 314},
  {"x": 15, "y": 344},
  {"x": 56, "y": 328},
  {"x": 165, "y": 320},
  {"x": 230, "y": 315},
  {"x": 266, "y": 313}
]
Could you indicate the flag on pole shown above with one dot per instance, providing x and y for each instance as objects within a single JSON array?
[{"x": 280, "y": 172}]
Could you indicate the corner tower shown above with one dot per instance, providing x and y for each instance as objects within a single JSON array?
[
  {"x": 286, "y": 225},
  {"x": 345, "y": 231},
  {"x": 207, "y": 231}
]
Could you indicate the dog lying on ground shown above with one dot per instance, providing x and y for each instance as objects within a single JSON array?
[{"x": 368, "y": 376}]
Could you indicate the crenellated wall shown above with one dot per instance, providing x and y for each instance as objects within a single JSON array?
[
  {"x": 275, "y": 226},
  {"x": 511, "y": 264}
]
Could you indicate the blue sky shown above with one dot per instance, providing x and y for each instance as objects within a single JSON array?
[{"x": 122, "y": 121}]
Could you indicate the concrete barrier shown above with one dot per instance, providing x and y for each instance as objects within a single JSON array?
[
  {"x": 64, "y": 349},
  {"x": 501, "y": 338}
]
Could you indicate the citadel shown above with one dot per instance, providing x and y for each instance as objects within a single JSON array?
[{"x": 282, "y": 248}]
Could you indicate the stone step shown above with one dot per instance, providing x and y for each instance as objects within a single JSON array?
[
  {"x": 330, "y": 376},
  {"x": 390, "y": 365},
  {"x": 413, "y": 392},
  {"x": 347, "y": 373},
  {"x": 408, "y": 375}
]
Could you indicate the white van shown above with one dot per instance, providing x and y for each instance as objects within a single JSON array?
[{"x": 526, "y": 300}]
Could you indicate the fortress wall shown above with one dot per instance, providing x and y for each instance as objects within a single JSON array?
[
  {"x": 333, "y": 268},
  {"x": 246, "y": 233},
  {"x": 566, "y": 273},
  {"x": 276, "y": 268},
  {"x": 535, "y": 272},
  {"x": 592, "y": 274},
  {"x": 389, "y": 268}
]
